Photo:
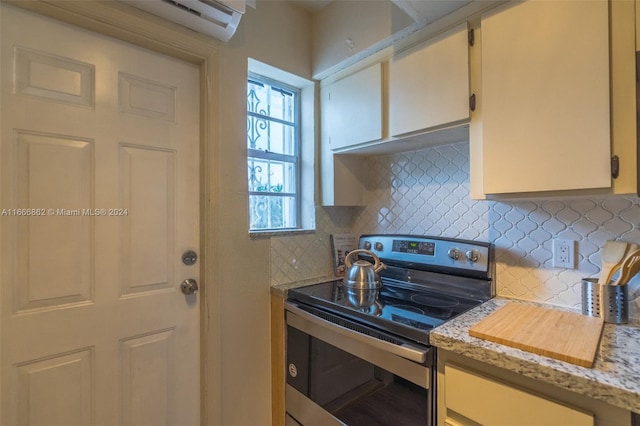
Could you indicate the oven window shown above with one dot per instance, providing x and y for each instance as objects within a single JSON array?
[
  {"x": 395, "y": 402},
  {"x": 351, "y": 389}
]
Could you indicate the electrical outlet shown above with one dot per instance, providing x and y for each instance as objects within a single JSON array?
[{"x": 564, "y": 253}]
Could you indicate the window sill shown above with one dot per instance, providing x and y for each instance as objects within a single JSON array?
[{"x": 280, "y": 233}]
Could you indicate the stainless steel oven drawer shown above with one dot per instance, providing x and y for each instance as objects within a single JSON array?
[
  {"x": 389, "y": 356},
  {"x": 338, "y": 376}
]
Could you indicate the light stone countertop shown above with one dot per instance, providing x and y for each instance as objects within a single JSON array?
[
  {"x": 281, "y": 289},
  {"x": 614, "y": 378}
]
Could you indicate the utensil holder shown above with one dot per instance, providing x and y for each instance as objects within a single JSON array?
[{"x": 612, "y": 309}]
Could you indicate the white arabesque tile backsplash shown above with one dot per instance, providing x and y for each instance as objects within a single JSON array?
[{"x": 427, "y": 192}]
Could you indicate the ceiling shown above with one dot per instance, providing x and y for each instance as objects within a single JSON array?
[
  {"x": 425, "y": 11},
  {"x": 311, "y": 5}
]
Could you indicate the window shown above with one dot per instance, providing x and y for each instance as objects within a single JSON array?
[{"x": 273, "y": 146}]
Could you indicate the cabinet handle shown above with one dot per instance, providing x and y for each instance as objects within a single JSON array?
[
  {"x": 472, "y": 102},
  {"x": 615, "y": 166}
]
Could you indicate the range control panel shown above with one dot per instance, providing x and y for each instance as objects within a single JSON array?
[{"x": 431, "y": 251}]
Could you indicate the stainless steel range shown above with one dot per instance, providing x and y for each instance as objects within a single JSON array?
[{"x": 362, "y": 356}]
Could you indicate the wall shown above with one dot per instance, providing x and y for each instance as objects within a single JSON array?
[
  {"x": 351, "y": 29},
  {"x": 276, "y": 33},
  {"x": 427, "y": 192},
  {"x": 308, "y": 256}
]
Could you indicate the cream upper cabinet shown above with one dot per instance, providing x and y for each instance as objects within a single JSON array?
[
  {"x": 352, "y": 109},
  {"x": 341, "y": 175},
  {"x": 622, "y": 31},
  {"x": 429, "y": 84},
  {"x": 545, "y": 97}
]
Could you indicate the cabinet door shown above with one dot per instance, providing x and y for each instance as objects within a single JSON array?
[
  {"x": 470, "y": 396},
  {"x": 637, "y": 3},
  {"x": 545, "y": 97},
  {"x": 341, "y": 175},
  {"x": 429, "y": 84},
  {"x": 353, "y": 110}
]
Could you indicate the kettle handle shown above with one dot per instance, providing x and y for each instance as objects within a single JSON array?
[{"x": 378, "y": 266}]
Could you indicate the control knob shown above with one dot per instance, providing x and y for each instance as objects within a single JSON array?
[
  {"x": 367, "y": 245},
  {"x": 454, "y": 253},
  {"x": 472, "y": 255},
  {"x": 378, "y": 246}
]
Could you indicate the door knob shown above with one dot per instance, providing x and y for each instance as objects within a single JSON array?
[{"x": 189, "y": 286}]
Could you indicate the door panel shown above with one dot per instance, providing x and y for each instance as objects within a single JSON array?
[
  {"x": 148, "y": 368},
  {"x": 146, "y": 98},
  {"x": 99, "y": 192},
  {"x": 53, "y": 77},
  {"x": 149, "y": 226},
  {"x": 68, "y": 402},
  {"x": 53, "y": 170}
]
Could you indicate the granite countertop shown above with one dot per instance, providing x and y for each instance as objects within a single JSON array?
[
  {"x": 613, "y": 379},
  {"x": 281, "y": 289}
]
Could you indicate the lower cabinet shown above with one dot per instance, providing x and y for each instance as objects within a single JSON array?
[
  {"x": 278, "y": 373},
  {"x": 464, "y": 391},
  {"x": 472, "y": 393}
]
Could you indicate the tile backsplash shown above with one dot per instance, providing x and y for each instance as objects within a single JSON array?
[
  {"x": 427, "y": 192},
  {"x": 308, "y": 256}
]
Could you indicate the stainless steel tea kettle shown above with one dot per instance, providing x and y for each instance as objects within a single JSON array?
[
  {"x": 365, "y": 300},
  {"x": 362, "y": 274}
]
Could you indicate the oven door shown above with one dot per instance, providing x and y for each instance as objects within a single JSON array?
[{"x": 340, "y": 376}]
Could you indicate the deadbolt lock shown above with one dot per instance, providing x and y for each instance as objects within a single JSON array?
[{"x": 189, "y": 257}]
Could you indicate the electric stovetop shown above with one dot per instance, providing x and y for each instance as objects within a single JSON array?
[
  {"x": 409, "y": 313},
  {"x": 428, "y": 281}
]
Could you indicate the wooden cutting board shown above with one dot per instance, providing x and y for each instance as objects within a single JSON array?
[{"x": 566, "y": 336}]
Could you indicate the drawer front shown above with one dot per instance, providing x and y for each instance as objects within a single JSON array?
[{"x": 490, "y": 402}]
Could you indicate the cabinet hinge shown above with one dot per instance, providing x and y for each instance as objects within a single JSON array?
[
  {"x": 615, "y": 166},
  {"x": 472, "y": 37},
  {"x": 472, "y": 102}
]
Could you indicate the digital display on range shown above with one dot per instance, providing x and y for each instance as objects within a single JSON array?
[{"x": 414, "y": 247}]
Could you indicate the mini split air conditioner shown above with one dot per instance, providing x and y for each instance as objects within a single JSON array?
[{"x": 218, "y": 19}]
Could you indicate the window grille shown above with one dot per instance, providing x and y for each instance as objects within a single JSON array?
[{"x": 273, "y": 137}]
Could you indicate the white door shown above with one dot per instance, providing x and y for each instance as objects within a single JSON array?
[{"x": 99, "y": 199}]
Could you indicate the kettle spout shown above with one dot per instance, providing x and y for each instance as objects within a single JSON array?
[{"x": 380, "y": 267}]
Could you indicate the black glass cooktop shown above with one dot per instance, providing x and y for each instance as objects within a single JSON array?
[{"x": 408, "y": 312}]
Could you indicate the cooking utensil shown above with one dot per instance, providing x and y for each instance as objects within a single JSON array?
[
  {"x": 362, "y": 274},
  {"x": 616, "y": 269},
  {"x": 629, "y": 267},
  {"x": 612, "y": 255}
]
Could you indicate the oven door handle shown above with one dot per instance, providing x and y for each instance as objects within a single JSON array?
[{"x": 407, "y": 351}]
